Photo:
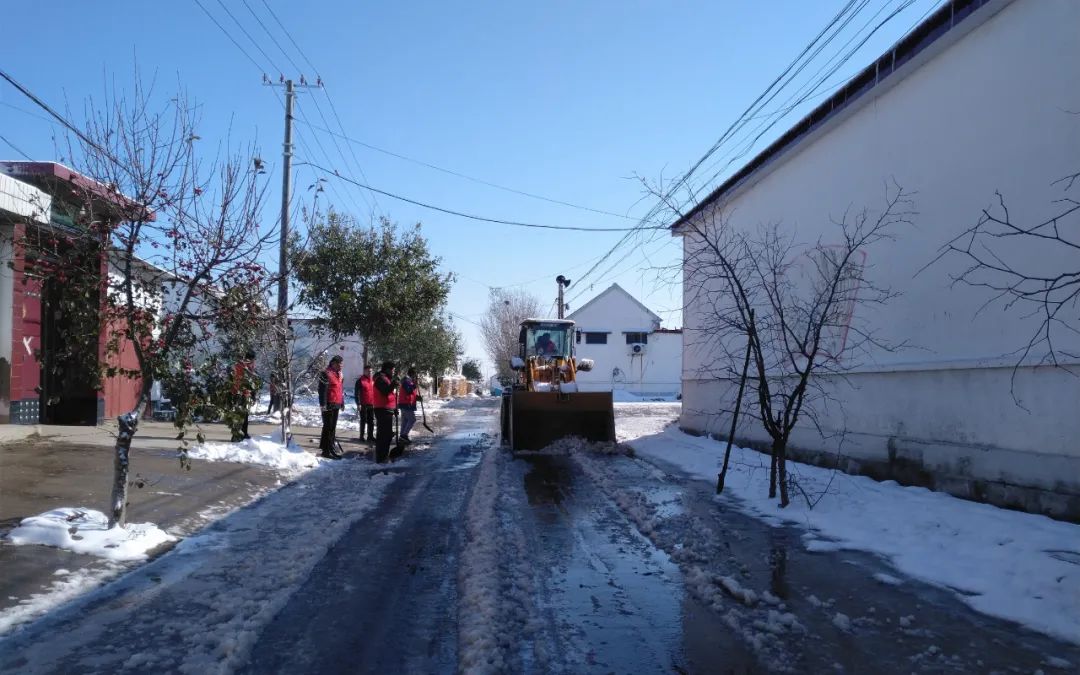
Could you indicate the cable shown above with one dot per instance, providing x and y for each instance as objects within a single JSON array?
[
  {"x": 326, "y": 91},
  {"x": 272, "y": 38},
  {"x": 326, "y": 156},
  {"x": 289, "y": 35},
  {"x": 248, "y": 35},
  {"x": 371, "y": 207},
  {"x": 471, "y": 216},
  {"x": 752, "y": 110},
  {"x": 474, "y": 179},
  {"x": 820, "y": 81},
  {"x": 231, "y": 39},
  {"x": 63, "y": 120},
  {"x": 15, "y": 148},
  {"x": 28, "y": 112}
]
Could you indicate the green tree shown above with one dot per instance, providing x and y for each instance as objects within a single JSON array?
[
  {"x": 471, "y": 370},
  {"x": 430, "y": 344},
  {"x": 379, "y": 282}
]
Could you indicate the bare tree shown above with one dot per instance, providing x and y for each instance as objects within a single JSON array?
[
  {"x": 500, "y": 325},
  {"x": 792, "y": 306},
  {"x": 1009, "y": 260},
  {"x": 164, "y": 265}
]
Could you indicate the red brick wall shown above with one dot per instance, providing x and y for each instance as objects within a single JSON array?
[{"x": 26, "y": 327}]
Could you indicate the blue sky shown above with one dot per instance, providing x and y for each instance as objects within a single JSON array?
[{"x": 569, "y": 100}]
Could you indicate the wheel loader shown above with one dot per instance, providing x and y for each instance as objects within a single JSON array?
[{"x": 544, "y": 403}]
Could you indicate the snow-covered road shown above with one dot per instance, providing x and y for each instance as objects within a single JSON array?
[{"x": 465, "y": 558}]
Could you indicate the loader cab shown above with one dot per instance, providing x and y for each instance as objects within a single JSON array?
[{"x": 549, "y": 338}]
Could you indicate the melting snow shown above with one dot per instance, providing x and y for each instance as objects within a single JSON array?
[
  {"x": 999, "y": 562},
  {"x": 87, "y": 531},
  {"x": 262, "y": 450}
]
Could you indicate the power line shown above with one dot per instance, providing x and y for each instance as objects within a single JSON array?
[
  {"x": 372, "y": 206},
  {"x": 754, "y": 107},
  {"x": 470, "y": 216},
  {"x": 326, "y": 91},
  {"x": 474, "y": 179},
  {"x": 15, "y": 148},
  {"x": 63, "y": 120},
  {"x": 272, "y": 38},
  {"x": 248, "y": 35},
  {"x": 289, "y": 35},
  {"x": 231, "y": 38}
]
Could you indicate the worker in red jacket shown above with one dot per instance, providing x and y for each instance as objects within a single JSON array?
[
  {"x": 386, "y": 386},
  {"x": 408, "y": 395},
  {"x": 365, "y": 404},
  {"x": 244, "y": 384},
  {"x": 331, "y": 401}
]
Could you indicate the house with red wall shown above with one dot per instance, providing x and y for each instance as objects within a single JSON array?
[{"x": 40, "y": 197}]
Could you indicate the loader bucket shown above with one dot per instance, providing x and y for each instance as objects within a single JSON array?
[{"x": 537, "y": 419}]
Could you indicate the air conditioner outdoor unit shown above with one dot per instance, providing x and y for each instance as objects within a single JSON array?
[{"x": 637, "y": 349}]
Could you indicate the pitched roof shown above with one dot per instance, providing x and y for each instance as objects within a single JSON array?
[
  {"x": 619, "y": 289},
  {"x": 942, "y": 22}
]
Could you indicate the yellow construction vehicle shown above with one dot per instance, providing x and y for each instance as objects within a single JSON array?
[{"x": 544, "y": 404}]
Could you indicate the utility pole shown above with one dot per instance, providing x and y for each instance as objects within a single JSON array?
[
  {"x": 285, "y": 372},
  {"x": 283, "y": 277},
  {"x": 563, "y": 282}
]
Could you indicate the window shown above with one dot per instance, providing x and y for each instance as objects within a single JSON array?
[
  {"x": 596, "y": 338},
  {"x": 637, "y": 338}
]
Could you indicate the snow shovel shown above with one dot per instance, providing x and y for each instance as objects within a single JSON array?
[
  {"x": 423, "y": 417},
  {"x": 398, "y": 450}
]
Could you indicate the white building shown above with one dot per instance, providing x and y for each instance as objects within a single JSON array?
[
  {"x": 975, "y": 100},
  {"x": 631, "y": 351}
]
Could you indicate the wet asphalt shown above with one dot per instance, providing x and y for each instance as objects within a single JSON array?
[{"x": 599, "y": 593}]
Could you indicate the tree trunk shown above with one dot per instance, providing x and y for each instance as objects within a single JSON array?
[
  {"x": 781, "y": 460},
  {"x": 129, "y": 424},
  {"x": 735, "y": 418},
  {"x": 772, "y": 471}
]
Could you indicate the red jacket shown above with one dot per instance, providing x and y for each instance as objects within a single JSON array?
[
  {"x": 365, "y": 390},
  {"x": 407, "y": 394},
  {"x": 385, "y": 401},
  {"x": 334, "y": 389},
  {"x": 243, "y": 374}
]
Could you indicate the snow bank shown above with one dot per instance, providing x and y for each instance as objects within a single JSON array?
[
  {"x": 623, "y": 396},
  {"x": 1016, "y": 566},
  {"x": 87, "y": 531},
  {"x": 262, "y": 450}
]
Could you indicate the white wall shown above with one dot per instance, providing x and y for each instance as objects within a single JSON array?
[
  {"x": 656, "y": 371},
  {"x": 986, "y": 114}
]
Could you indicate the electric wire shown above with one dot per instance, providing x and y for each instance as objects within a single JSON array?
[
  {"x": 473, "y": 179},
  {"x": 470, "y": 216},
  {"x": 15, "y": 148}
]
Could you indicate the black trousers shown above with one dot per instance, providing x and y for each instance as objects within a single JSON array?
[
  {"x": 367, "y": 421},
  {"x": 329, "y": 429},
  {"x": 384, "y": 433}
]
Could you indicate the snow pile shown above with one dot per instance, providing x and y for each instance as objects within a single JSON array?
[
  {"x": 624, "y": 396},
  {"x": 263, "y": 450},
  {"x": 1013, "y": 565},
  {"x": 87, "y": 531}
]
